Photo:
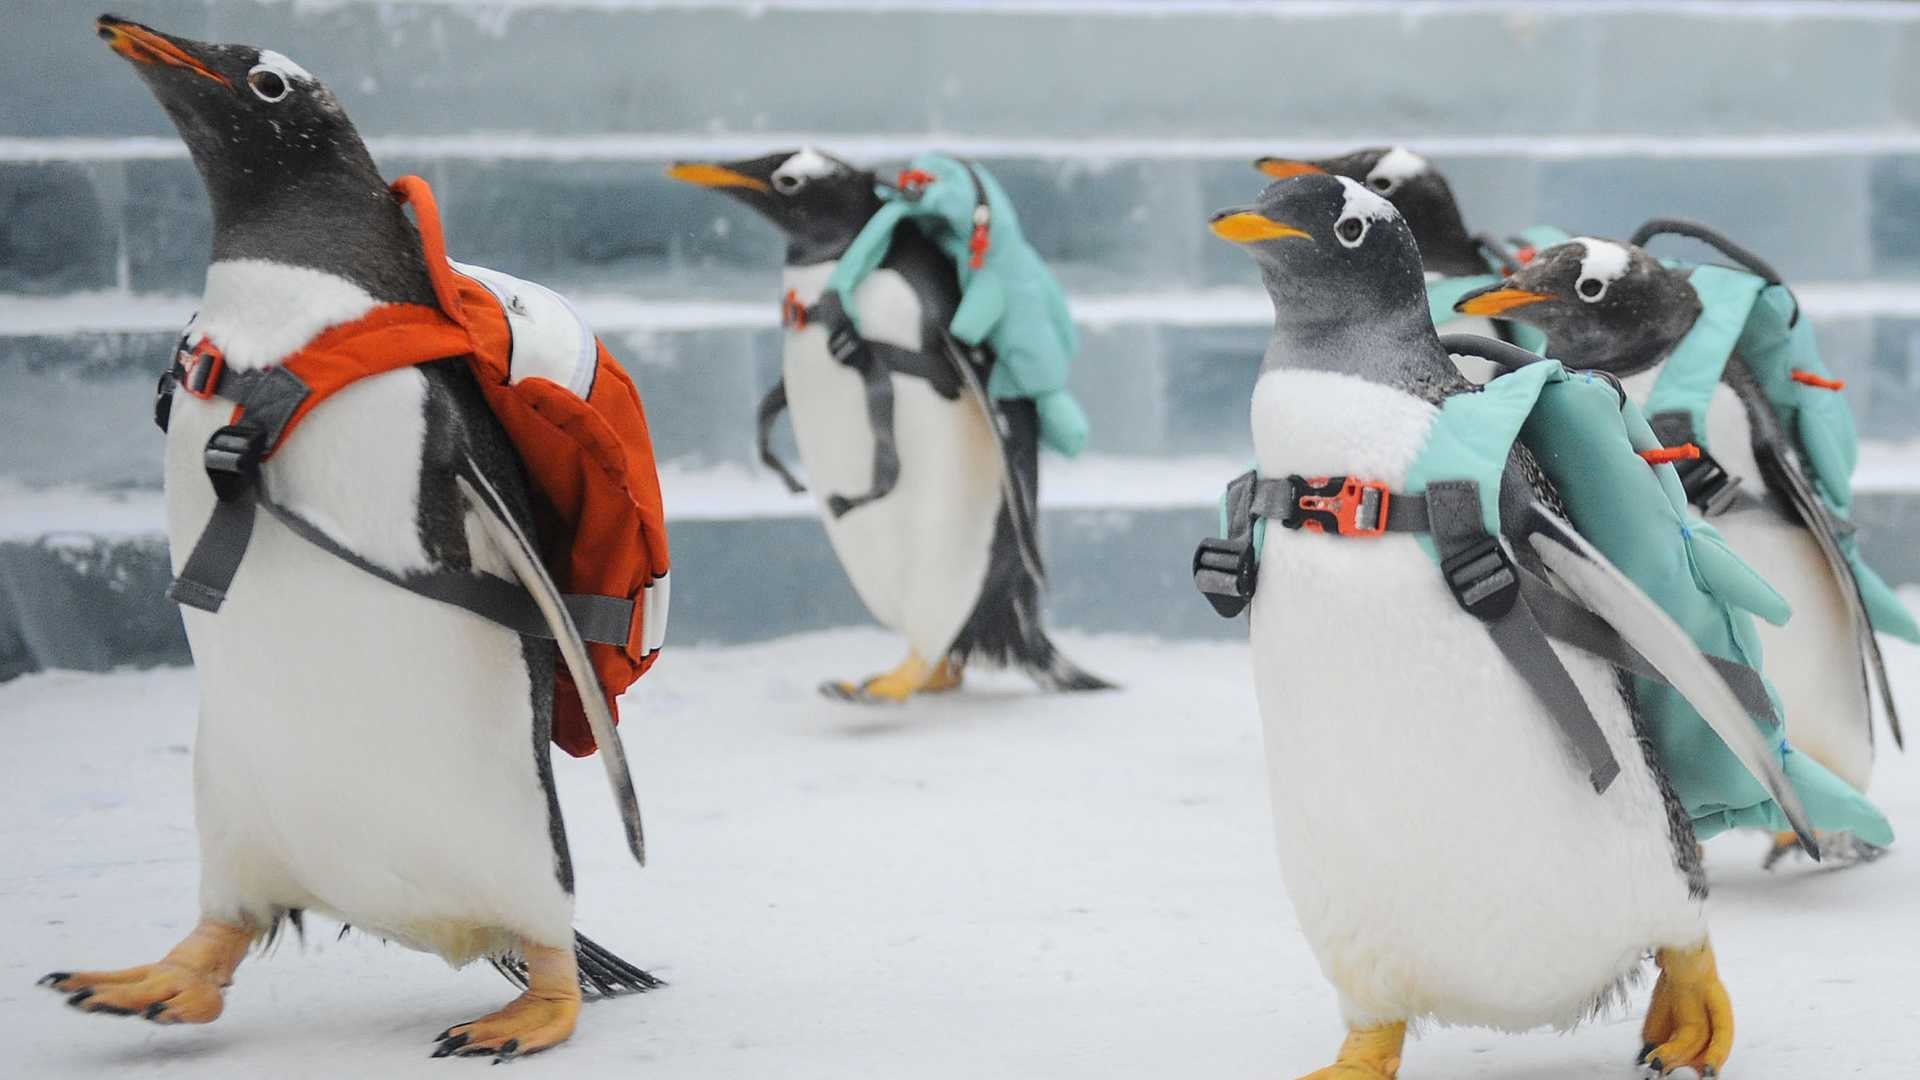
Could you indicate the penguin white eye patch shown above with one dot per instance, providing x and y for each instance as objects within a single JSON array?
[{"x": 272, "y": 75}]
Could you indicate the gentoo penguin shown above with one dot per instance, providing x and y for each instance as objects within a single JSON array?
[
  {"x": 1615, "y": 308},
  {"x": 362, "y": 751},
  {"x": 935, "y": 560},
  {"x": 1423, "y": 835},
  {"x": 1416, "y": 189}
]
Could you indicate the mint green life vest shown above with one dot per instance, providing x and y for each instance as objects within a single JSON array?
[
  {"x": 1742, "y": 312},
  {"x": 1588, "y": 441},
  {"x": 1444, "y": 292}
]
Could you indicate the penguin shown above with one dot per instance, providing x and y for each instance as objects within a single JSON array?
[
  {"x": 362, "y": 751},
  {"x": 936, "y": 560},
  {"x": 1427, "y": 204},
  {"x": 1615, "y": 308},
  {"x": 1423, "y": 833}
]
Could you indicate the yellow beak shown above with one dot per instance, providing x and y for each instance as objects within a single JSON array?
[
  {"x": 695, "y": 172},
  {"x": 1247, "y": 227}
]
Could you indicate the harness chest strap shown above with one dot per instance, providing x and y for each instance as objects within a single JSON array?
[
  {"x": 269, "y": 402},
  {"x": 876, "y": 362},
  {"x": 1520, "y": 609}
]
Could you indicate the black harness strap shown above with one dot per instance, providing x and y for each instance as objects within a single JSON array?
[
  {"x": 771, "y": 407},
  {"x": 1709, "y": 486},
  {"x": 1487, "y": 583},
  {"x": 233, "y": 456}
]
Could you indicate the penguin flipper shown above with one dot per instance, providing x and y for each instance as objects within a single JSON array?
[
  {"x": 491, "y": 510},
  {"x": 1784, "y": 477},
  {"x": 602, "y": 974},
  {"x": 1587, "y": 574}
]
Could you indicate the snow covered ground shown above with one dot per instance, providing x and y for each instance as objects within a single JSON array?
[{"x": 996, "y": 884}]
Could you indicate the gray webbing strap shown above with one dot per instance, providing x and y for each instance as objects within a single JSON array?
[
  {"x": 209, "y": 570},
  {"x": 854, "y": 351},
  {"x": 771, "y": 407},
  {"x": 1571, "y": 623},
  {"x": 1458, "y": 532},
  {"x": 1708, "y": 485},
  {"x": 209, "y": 573},
  {"x": 604, "y": 620}
]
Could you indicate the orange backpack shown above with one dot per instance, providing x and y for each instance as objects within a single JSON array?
[{"x": 566, "y": 404}]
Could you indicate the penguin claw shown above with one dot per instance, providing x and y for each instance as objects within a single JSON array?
[
  {"x": 449, "y": 1044},
  {"x": 53, "y": 978}
]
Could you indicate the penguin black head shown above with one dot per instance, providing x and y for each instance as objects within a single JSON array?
[
  {"x": 1415, "y": 188},
  {"x": 1603, "y": 304},
  {"x": 819, "y": 202},
  {"x": 289, "y": 178},
  {"x": 1344, "y": 274}
]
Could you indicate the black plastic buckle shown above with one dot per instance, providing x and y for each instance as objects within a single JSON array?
[
  {"x": 232, "y": 459},
  {"x": 847, "y": 346},
  {"x": 1224, "y": 572},
  {"x": 163, "y": 399},
  {"x": 1708, "y": 485},
  {"x": 1483, "y": 579}
]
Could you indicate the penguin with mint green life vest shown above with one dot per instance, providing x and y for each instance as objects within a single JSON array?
[
  {"x": 1456, "y": 261},
  {"x": 925, "y": 360},
  {"x": 1507, "y": 853},
  {"x": 1724, "y": 363}
]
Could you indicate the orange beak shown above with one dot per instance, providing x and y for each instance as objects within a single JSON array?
[
  {"x": 714, "y": 176},
  {"x": 1281, "y": 168},
  {"x": 143, "y": 46},
  {"x": 1251, "y": 227},
  {"x": 1499, "y": 301}
]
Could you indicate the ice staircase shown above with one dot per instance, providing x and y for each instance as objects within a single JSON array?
[{"x": 544, "y": 126}]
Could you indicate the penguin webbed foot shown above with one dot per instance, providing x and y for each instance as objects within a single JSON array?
[
  {"x": 1837, "y": 850},
  {"x": 187, "y": 986},
  {"x": 542, "y": 1017},
  {"x": 1368, "y": 1054},
  {"x": 1689, "y": 1023},
  {"x": 912, "y": 676}
]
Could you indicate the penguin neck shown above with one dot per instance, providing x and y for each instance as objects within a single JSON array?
[
  {"x": 827, "y": 241},
  {"x": 1398, "y": 349},
  {"x": 336, "y": 217},
  {"x": 1446, "y": 247}
]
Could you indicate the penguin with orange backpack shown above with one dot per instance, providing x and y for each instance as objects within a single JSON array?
[{"x": 382, "y": 470}]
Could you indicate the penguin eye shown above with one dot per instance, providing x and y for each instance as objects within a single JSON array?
[
  {"x": 1590, "y": 288},
  {"x": 267, "y": 84},
  {"x": 788, "y": 183},
  {"x": 1382, "y": 184},
  {"x": 1350, "y": 231}
]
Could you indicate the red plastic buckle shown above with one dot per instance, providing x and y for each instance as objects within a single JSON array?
[
  {"x": 203, "y": 365},
  {"x": 793, "y": 313},
  {"x": 977, "y": 246},
  {"x": 913, "y": 182},
  {"x": 1356, "y": 497},
  {"x": 1667, "y": 455},
  {"x": 1525, "y": 255}
]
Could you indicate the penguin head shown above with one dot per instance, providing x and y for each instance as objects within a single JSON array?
[
  {"x": 818, "y": 201},
  {"x": 253, "y": 119},
  {"x": 1602, "y": 304},
  {"x": 1415, "y": 188},
  {"x": 1328, "y": 247}
]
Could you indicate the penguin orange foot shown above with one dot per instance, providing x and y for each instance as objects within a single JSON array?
[
  {"x": 1368, "y": 1054},
  {"x": 1836, "y": 849},
  {"x": 538, "y": 1019},
  {"x": 1690, "y": 1021},
  {"x": 187, "y": 986},
  {"x": 913, "y": 676}
]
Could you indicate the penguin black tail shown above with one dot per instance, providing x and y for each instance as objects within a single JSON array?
[
  {"x": 1049, "y": 667},
  {"x": 602, "y": 974}
]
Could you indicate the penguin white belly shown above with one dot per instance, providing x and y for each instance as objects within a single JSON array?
[
  {"x": 362, "y": 751},
  {"x": 1446, "y": 856},
  {"x": 1813, "y": 660},
  {"x": 918, "y": 557}
]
